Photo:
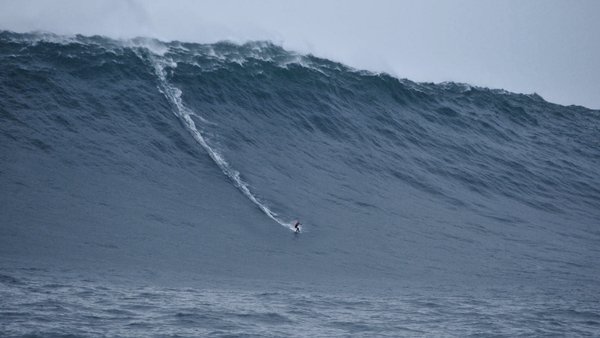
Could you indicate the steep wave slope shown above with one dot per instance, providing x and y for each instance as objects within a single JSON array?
[{"x": 179, "y": 156}]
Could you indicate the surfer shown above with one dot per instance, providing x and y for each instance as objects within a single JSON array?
[{"x": 297, "y": 226}]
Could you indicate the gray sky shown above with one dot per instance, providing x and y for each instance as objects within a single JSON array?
[{"x": 545, "y": 46}]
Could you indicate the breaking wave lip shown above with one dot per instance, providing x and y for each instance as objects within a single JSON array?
[{"x": 173, "y": 95}]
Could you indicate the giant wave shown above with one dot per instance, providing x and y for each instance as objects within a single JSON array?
[{"x": 187, "y": 158}]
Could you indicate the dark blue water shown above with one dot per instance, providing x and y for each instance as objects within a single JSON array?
[{"x": 147, "y": 188}]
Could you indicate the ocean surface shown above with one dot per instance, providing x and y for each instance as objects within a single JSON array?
[{"x": 147, "y": 189}]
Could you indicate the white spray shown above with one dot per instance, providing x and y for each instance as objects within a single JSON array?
[{"x": 173, "y": 94}]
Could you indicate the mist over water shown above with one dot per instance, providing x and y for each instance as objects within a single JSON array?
[{"x": 172, "y": 166}]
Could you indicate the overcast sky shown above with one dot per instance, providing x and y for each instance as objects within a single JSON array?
[{"x": 545, "y": 46}]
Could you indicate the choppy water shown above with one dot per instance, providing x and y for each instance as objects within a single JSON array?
[
  {"x": 66, "y": 307},
  {"x": 147, "y": 189}
]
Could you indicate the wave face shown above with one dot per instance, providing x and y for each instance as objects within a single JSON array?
[{"x": 191, "y": 157}]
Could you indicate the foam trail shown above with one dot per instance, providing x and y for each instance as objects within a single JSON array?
[{"x": 173, "y": 94}]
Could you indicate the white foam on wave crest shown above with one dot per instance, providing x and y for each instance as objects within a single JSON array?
[{"x": 173, "y": 94}]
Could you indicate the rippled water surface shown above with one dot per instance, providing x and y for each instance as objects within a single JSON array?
[{"x": 45, "y": 306}]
